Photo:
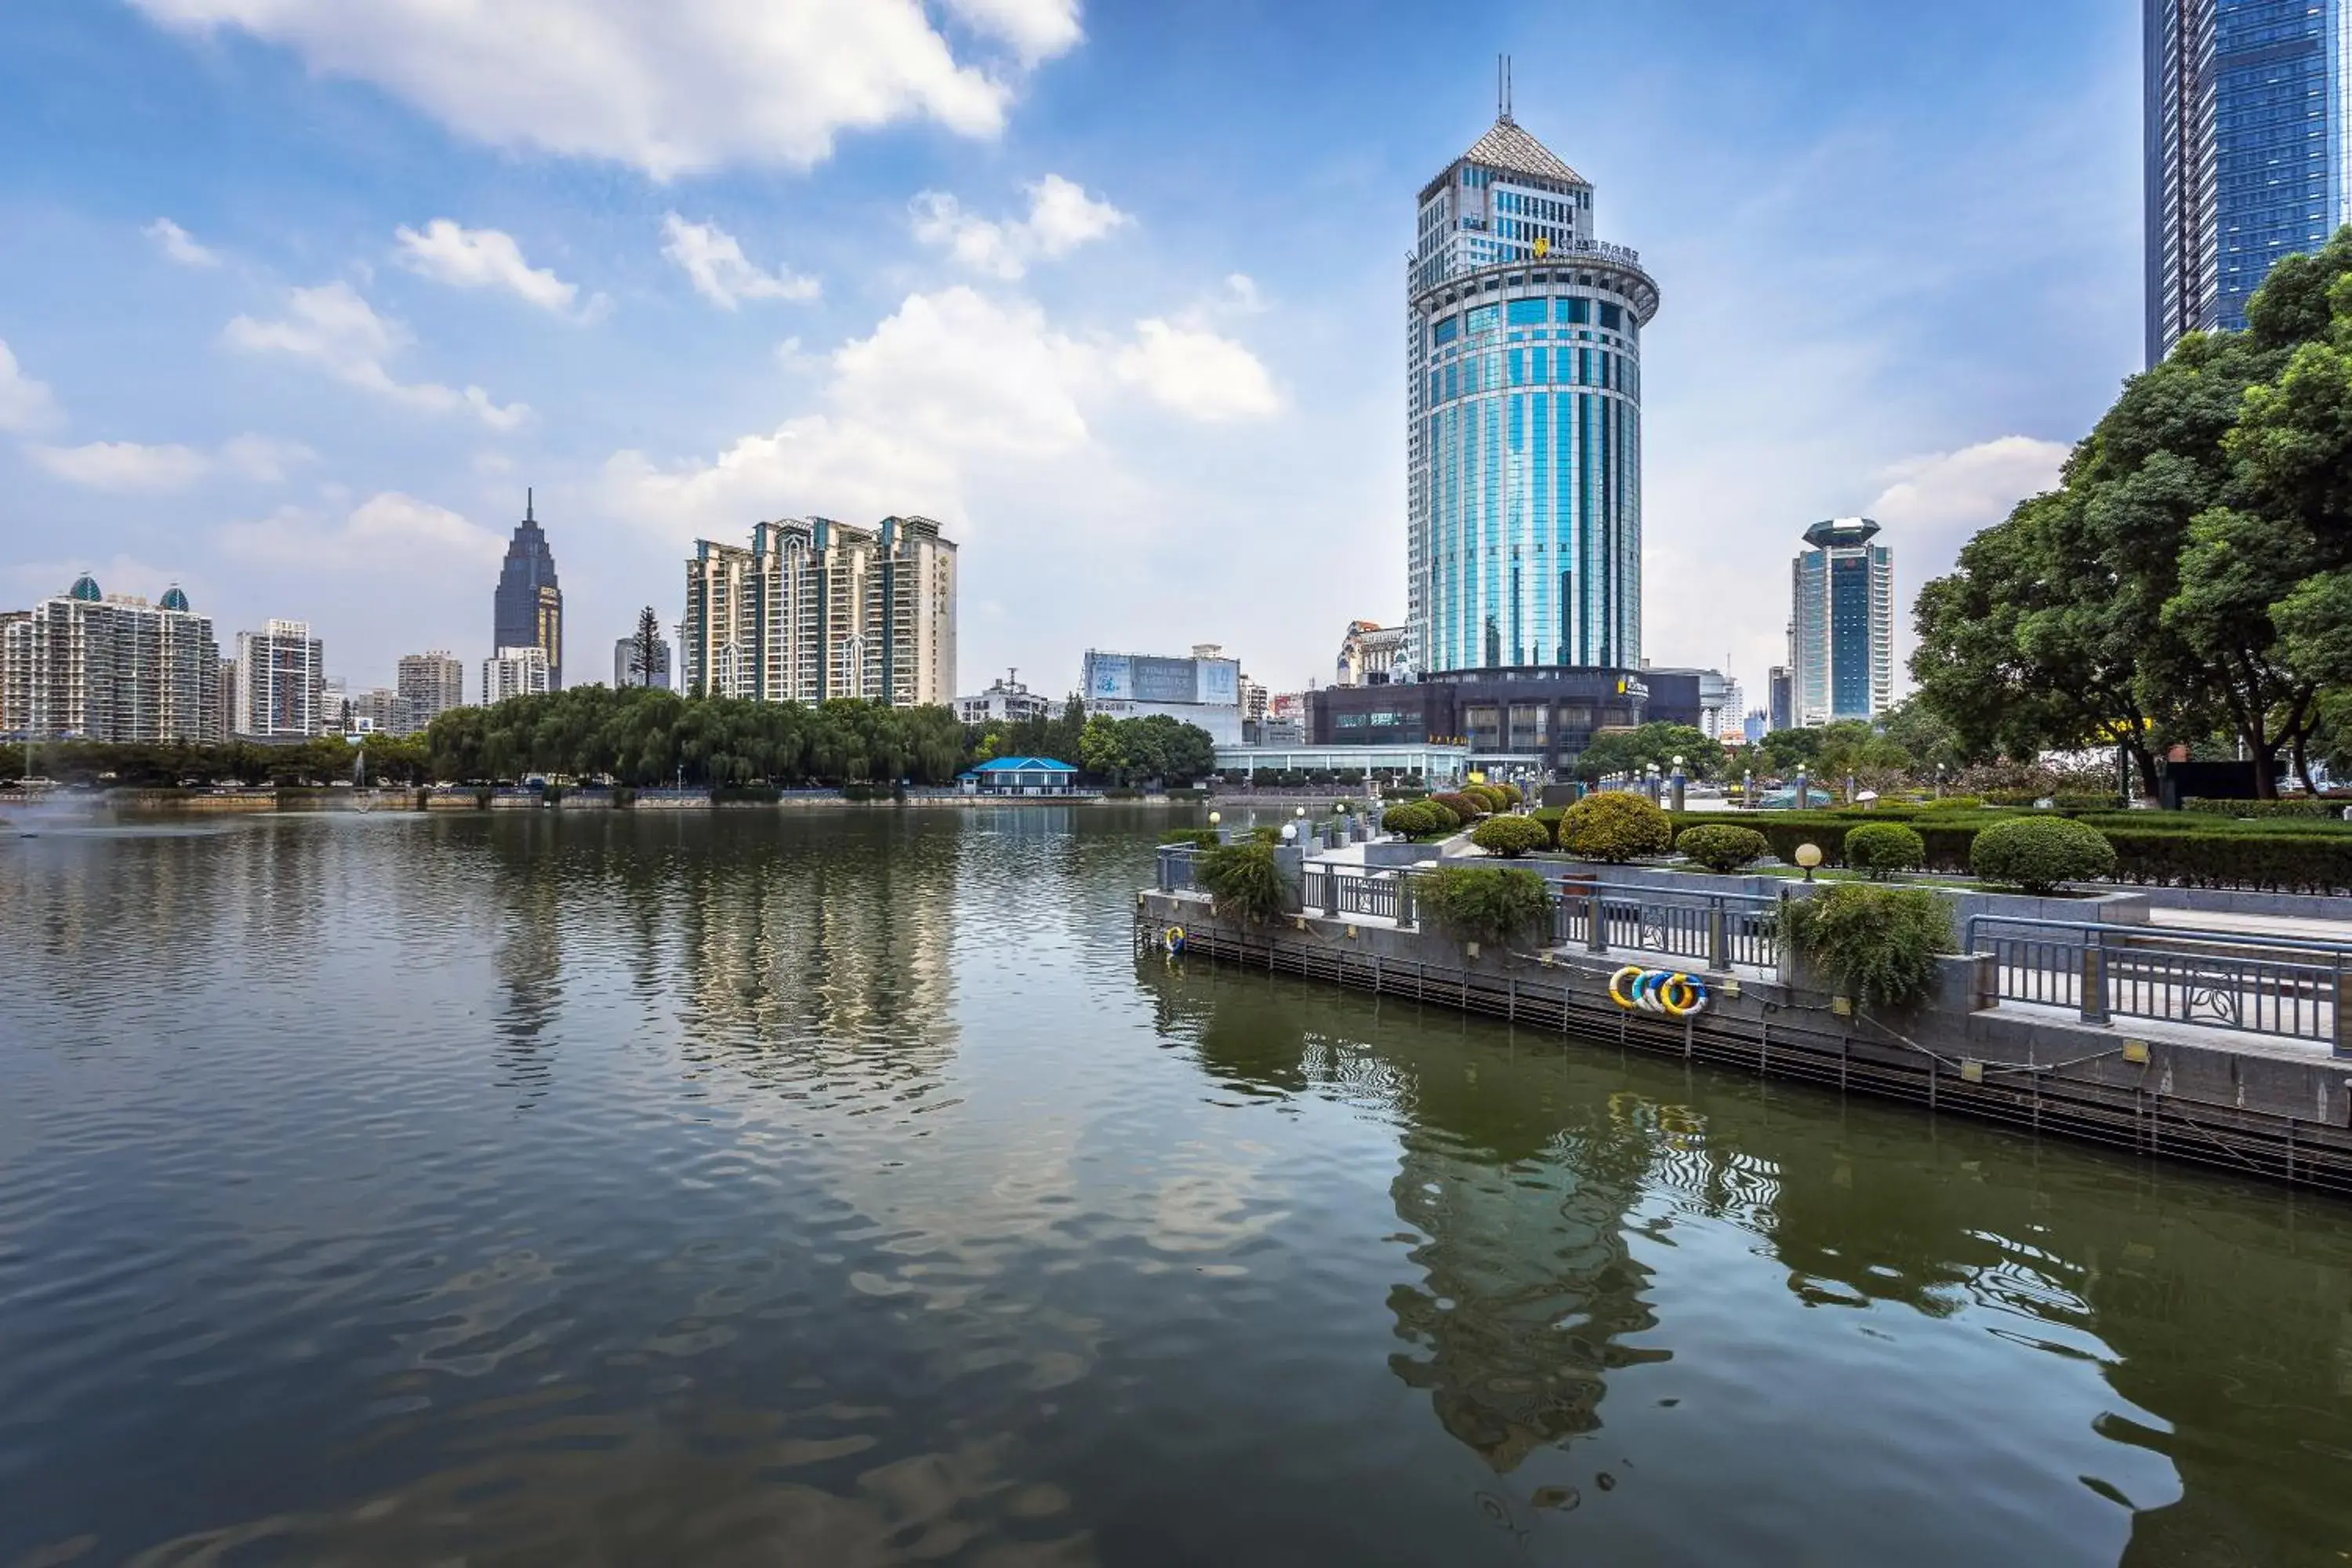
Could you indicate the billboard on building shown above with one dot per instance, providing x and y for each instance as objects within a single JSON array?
[
  {"x": 1109, "y": 675},
  {"x": 1165, "y": 680},
  {"x": 1143, "y": 678}
]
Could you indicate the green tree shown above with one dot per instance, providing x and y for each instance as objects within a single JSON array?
[{"x": 1632, "y": 751}]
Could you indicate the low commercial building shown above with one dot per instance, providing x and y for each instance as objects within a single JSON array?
[
  {"x": 1203, "y": 690},
  {"x": 1520, "y": 721},
  {"x": 1706, "y": 699},
  {"x": 1432, "y": 763},
  {"x": 1021, "y": 776}
]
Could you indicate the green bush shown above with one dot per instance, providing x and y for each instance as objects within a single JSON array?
[
  {"x": 1878, "y": 943},
  {"x": 1268, "y": 836},
  {"x": 2245, "y": 855},
  {"x": 1489, "y": 797},
  {"x": 1464, "y": 806},
  {"x": 1882, "y": 848},
  {"x": 1485, "y": 904},
  {"x": 1242, "y": 881},
  {"x": 2038, "y": 853},
  {"x": 1198, "y": 837},
  {"x": 2322, "y": 806},
  {"x": 1951, "y": 802},
  {"x": 1615, "y": 826},
  {"x": 1412, "y": 818},
  {"x": 1722, "y": 845},
  {"x": 1511, "y": 795},
  {"x": 1510, "y": 837},
  {"x": 1548, "y": 816}
]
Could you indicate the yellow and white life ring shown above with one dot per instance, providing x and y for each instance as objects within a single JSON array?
[{"x": 1669, "y": 992}]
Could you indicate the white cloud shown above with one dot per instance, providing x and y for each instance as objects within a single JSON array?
[
  {"x": 25, "y": 404},
  {"x": 484, "y": 259},
  {"x": 1062, "y": 217},
  {"x": 1944, "y": 497},
  {"x": 721, "y": 273},
  {"x": 390, "y": 530},
  {"x": 131, "y": 468},
  {"x": 1198, "y": 374},
  {"x": 953, "y": 390},
  {"x": 180, "y": 245},
  {"x": 335, "y": 329},
  {"x": 672, "y": 89},
  {"x": 124, "y": 466},
  {"x": 1039, "y": 29}
]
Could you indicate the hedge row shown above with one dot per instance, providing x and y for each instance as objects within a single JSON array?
[
  {"x": 2164, "y": 852},
  {"x": 2324, "y": 807}
]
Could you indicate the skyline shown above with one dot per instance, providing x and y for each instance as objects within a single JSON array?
[{"x": 1108, "y": 298}]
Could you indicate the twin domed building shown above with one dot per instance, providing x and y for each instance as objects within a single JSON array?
[{"x": 87, "y": 666}]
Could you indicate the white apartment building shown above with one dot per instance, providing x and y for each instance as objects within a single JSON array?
[
  {"x": 87, "y": 666},
  {"x": 431, "y": 684},
  {"x": 817, "y": 609},
  {"x": 280, "y": 683},
  {"x": 516, "y": 672},
  {"x": 1006, "y": 701}
]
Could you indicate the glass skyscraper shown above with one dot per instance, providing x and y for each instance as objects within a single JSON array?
[
  {"x": 1842, "y": 625},
  {"x": 528, "y": 609},
  {"x": 2248, "y": 149},
  {"x": 1523, "y": 451}
]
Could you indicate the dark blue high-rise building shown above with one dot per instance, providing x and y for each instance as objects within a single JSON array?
[
  {"x": 528, "y": 609},
  {"x": 2248, "y": 147}
]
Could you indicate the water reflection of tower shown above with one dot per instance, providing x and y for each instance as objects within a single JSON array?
[{"x": 1529, "y": 1283}]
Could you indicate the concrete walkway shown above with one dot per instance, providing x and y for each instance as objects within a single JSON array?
[{"x": 2301, "y": 926}]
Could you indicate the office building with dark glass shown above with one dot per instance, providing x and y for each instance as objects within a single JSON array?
[
  {"x": 2247, "y": 150},
  {"x": 528, "y": 609},
  {"x": 1841, "y": 623}
]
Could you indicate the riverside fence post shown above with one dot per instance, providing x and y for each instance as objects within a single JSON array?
[
  {"x": 2095, "y": 983},
  {"x": 1596, "y": 922},
  {"x": 2343, "y": 1041},
  {"x": 1718, "y": 960}
]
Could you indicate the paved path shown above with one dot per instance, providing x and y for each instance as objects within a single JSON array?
[{"x": 2256, "y": 925}]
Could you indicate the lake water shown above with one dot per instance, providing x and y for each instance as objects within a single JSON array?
[{"x": 843, "y": 1188}]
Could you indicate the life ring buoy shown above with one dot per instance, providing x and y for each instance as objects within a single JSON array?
[
  {"x": 1172, "y": 939},
  {"x": 1669, "y": 992}
]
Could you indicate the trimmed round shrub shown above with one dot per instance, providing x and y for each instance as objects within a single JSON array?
[
  {"x": 1615, "y": 826},
  {"x": 1549, "y": 817},
  {"x": 2038, "y": 853},
  {"x": 1510, "y": 837},
  {"x": 1465, "y": 806},
  {"x": 1722, "y": 847},
  {"x": 1511, "y": 794},
  {"x": 1198, "y": 837},
  {"x": 1882, "y": 848},
  {"x": 1486, "y": 795},
  {"x": 1410, "y": 819}
]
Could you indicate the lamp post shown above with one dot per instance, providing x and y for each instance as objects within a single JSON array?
[
  {"x": 1803, "y": 802},
  {"x": 1939, "y": 781},
  {"x": 1747, "y": 787},
  {"x": 1681, "y": 784},
  {"x": 1809, "y": 855}
]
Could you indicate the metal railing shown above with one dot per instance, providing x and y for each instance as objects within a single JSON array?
[
  {"x": 2290, "y": 986},
  {"x": 1717, "y": 930}
]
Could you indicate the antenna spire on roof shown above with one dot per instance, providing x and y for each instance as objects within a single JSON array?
[
  {"x": 1503, "y": 89},
  {"x": 526, "y": 504}
]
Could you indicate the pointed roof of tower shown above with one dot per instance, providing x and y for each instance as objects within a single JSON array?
[{"x": 1510, "y": 146}]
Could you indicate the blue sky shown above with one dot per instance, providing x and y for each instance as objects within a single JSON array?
[{"x": 298, "y": 295}]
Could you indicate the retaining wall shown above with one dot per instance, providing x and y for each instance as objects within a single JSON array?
[{"x": 2255, "y": 1107}]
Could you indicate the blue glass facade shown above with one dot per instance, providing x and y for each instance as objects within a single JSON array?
[
  {"x": 1525, "y": 441},
  {"x": 2248, "y": 132}
]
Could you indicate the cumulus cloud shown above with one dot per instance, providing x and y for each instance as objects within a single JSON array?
[
  {"x": 674, "y": 89},
  {"x": 180, "y": 245},
  {"x": 952, "y": 387},
  {"x": 483, "y": 258},
  {"x": 25, "y": 404},
  {"x": 133, "y": 467},
  {"x": 390, "y": 530},
  {"x": 333, "y": 327},
  {"x": 714, "y": 261},
  {"x": 1062, "y": 217},
  {"x": 1937, "y": 502},
  {"x": 1198, "y": 374}
]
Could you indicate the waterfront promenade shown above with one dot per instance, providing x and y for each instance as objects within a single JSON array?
[{"x": 2216, "y": 1038}]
